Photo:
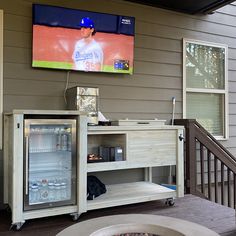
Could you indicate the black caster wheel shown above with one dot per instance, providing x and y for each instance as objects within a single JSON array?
[
  {"x": 16, "y": 226},
  {"x": 170, "y": 202},
  {"x": 75, "y": 217}
]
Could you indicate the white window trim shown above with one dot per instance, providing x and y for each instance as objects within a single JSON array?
[
  {"x": 219, "y": 91},
  {"x": 1, "y": 76}
]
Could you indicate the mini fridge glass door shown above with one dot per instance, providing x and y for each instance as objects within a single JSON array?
[{"x": 49, "y": 163}]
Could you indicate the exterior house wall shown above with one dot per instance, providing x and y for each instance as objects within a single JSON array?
[{"x": 157, "y": 77}]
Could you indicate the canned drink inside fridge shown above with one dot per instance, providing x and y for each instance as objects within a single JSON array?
[
  {"x": 51, "y": 191},
  {"x": 34, "y": 198},
  {"x": 69, "y": 143},
  {"x": 64, "y": 142},
  {"x": 63, "y": 190},
  {"x": 44, "y": 190},
  {"x": 58, "y": 145},
  {"x": 58, "y": 191}
]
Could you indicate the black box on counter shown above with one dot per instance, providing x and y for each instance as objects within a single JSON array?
[
  {"x": 116, "y": 154},
  {"x": 104, "y": 152},
  {"x": 111, "y": 153}
]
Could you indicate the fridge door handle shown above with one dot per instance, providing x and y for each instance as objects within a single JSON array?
[{"x": 26, "y": 164}]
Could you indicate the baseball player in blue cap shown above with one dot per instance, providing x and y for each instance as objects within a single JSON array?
[
  {"x": 87, "y": 23},
  {"x": 88, "y": 54}
]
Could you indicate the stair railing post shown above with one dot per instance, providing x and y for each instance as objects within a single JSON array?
[
  {"x": 191, "y": 167},
  {"x": 190, "y": 154}
]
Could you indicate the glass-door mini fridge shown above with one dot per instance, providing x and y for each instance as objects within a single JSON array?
[
  {"x": 45, "y": 155},
  {"x": 49, "y": 163}
]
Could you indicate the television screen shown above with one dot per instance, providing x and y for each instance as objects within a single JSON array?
[{"x": 79, "y": 40}]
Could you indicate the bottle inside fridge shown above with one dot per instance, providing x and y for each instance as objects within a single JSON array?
[{"x": 49, "y": 163}]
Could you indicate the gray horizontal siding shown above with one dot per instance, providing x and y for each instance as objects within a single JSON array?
[
  {"x": 10, "y": 71},
  {"x": 232, "y": 119},
  {"x": 157, "y": 67},
  {"x": 50, "y": 88},
  {"x": 157, "y": 74}
]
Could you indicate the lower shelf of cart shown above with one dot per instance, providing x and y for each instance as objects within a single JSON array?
[
  {"x": 128, "y": 193},
  {"x": 49, "y": 212}
]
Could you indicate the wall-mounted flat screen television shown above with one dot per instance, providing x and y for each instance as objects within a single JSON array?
[{"x": 81, "y": 40}]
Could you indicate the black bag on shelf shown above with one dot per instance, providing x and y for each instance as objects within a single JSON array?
[{"x": 94, "y": 187}]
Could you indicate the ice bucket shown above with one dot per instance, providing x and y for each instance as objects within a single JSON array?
[{"x": 84, "y": 99}]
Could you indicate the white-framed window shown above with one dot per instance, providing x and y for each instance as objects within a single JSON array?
[
  {"x": 205, "y": 85},
  {"x": 1, "y": 75}
]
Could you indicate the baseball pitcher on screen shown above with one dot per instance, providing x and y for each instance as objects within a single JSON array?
[{"x": 88, "y": 54}]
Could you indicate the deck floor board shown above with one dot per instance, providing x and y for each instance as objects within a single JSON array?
[{"x": 220, "y": 219}]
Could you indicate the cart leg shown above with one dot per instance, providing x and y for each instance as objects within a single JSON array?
[{"x": 170, "y": 201}]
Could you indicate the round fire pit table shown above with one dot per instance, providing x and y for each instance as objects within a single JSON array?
[{"x": 119, "y": 225}]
